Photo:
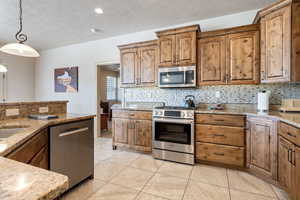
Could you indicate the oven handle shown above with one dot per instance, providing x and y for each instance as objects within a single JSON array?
[{"x": 179, "y": 121}]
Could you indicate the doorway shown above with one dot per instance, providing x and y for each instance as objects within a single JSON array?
[{"x": 108, "y": 94}]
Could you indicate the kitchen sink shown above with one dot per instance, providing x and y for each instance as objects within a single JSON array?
[{"x": 8, "y": 131}]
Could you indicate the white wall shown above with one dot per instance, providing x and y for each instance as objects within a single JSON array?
[
  {"x": 20, "y": 77},
  {"x": 87, "y": 55}
]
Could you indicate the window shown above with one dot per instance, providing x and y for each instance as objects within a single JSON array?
[{"x": 111, "y": 88}]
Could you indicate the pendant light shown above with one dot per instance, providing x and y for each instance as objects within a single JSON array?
[{"x": 20, "y": 49}]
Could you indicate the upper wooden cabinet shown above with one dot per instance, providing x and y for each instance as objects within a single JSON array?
[
  {"x": 229, "y": 56},
  {"x": 262, "y": 146},
  {"x": 139, "y": 63},
  {"x": 280, "y": 42},
  {"x": 178, "y": 47}
]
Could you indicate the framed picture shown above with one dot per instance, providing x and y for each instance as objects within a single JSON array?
[{"x": 66, "y": 79}]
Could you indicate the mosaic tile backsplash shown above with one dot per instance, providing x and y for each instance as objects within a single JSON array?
[{"x": 233, "y": 94}]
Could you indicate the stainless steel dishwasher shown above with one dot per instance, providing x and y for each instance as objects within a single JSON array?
[{"x": 72, "y": 150}]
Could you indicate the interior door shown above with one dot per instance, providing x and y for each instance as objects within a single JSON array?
[
  {"x": 284, "y": 164},
  {"x": 211, "y": 56},
  {"x": 243, "y": 58},
  {"x": 128, "y": 67},
  {"x": 148, "y": 61},
  {"x": 167, "y": 50},
  {"x": 276, "y": 46},
  {"x": 186, "y": 48}
]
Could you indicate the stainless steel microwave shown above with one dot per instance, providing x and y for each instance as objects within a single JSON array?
[{"x": 172, "y": 77}]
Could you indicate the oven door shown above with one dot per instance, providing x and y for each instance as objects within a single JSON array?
[{"x": 174, "y": 135}]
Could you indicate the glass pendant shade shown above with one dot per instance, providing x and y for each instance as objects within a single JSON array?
[
  {"x": 19, "y": 49},
  {"x": 3, "y": 69}
]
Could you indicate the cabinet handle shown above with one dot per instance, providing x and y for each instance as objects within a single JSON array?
[
  {"x": 219, "y": 120},
  {"x": 289, "y": 134},
  {"x": 219, "y": 154},
  {"x": 137, "y": 81},
  {"x": 293, "y": 158},
  {"x": 289, "y": 156},
  {"x": 219, "y": 135}
]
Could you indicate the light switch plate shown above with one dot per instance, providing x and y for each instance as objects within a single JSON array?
[
  {"x": 44, "y": 109},
  {"x": 12, "y": 112}
]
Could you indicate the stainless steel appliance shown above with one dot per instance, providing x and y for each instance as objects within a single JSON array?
[
  {"x": 173, "y": 134},
  {"x": 177, "y": 77},
  {"x": 72, "y": 150}
]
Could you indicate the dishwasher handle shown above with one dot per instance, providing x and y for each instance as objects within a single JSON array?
[{"x": 73, "y": 132}]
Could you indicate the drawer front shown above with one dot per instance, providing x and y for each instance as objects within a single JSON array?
[
  {"x": 223, "y": 120},
  {"x": 220, "y": 154},
  {"x": 132, "y": 114},
  {"x": 234, "y": 136},
  {"x": 289, "y": 132}
]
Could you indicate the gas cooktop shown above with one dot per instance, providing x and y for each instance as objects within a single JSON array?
[{"x": 174, "y": 108}]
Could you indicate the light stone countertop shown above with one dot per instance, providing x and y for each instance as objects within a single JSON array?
[
  {"x": 20, "y": 181},
  {"x": 289, "y": 118}
]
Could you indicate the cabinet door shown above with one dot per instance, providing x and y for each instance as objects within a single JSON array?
[
  {"x": 243, "y": 58},
  {"x": 263, "y": 147},
  {"x": 167, "y": 54},
  {"x": 186, "y": 48},
  {"x": 148, "y": 60},
  {"x": 284, "y": 165},
  {"x": 128, "y": 67},
  {"x": 120, "y": 130},
  {"x": 211, "y": 56},
  {"x": 276, "y": 46},
  {"x": 296, "y": 174},
  {"x": 143, "y": 133}
]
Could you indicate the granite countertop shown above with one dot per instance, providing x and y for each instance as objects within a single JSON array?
[
  {"x": 20, "y": 181},
  {"x": 290, "y": 118}
]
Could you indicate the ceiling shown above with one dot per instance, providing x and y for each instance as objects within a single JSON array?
[{"x": 54, "y": 23}]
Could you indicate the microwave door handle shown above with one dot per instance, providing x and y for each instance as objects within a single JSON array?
[{"x": 184, "y": 77}]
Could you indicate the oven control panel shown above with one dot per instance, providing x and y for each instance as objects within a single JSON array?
[{"x": 180, "y": 114}]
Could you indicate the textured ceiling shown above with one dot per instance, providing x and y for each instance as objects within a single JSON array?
[{"x": 53, "y": 23}]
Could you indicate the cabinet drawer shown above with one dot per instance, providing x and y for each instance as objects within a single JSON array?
[
  {"x": 132, "y": 114},
  {"x": 220, "y": 134},
  {"x": 220, "y": 153},
  {"x": 223, "y": 120},
  {"x": 289, "y": 132}
]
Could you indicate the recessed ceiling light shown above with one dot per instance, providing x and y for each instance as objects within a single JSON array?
[
  {"x": 98, "y": 11},
  {"x": 95, "y": 30}
]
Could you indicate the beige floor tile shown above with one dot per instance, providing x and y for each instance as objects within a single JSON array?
[
  {"x": 208, "y": 174},
  {"x": 145, "y": 196},
  {"x": 166, "y": 186},
  {"x": 249, "y": 183},
  {"x": 124, "y": 158},
  {"x": 238, "y": 195},
  {"x": 132, "y": 178},
  {"x": 198, "y": 190},
  {"x": 282, "y": 195},
  {"x": 107, "y": 170},
  {"x": 175, "y": 169},
  {"x": 114, "y": 192},
  {"x": 146, "y": 162},
  {"x": 84, "y": 190}
]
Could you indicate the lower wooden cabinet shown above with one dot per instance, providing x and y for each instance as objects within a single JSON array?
[
  {"x": 132, "y": 133},
  {"x": 262, "y": 146},
  {"x": 34, "y": 151}
]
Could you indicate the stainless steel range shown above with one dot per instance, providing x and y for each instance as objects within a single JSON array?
[{"x": 173, "y": 134}]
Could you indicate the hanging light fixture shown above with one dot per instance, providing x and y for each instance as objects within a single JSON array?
[{"x": 20, "y": 49}]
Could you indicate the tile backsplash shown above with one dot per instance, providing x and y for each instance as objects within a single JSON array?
[{"x": 233, "y": 94}]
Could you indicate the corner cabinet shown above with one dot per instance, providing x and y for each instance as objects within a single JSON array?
[
  {"x": 280, "y": 42},
  {"x": 178, "y": 47},
  {"x": 139, "y": 63},
  {"x": 262, "y": 147},
  {"x": 229, "y": 56}
]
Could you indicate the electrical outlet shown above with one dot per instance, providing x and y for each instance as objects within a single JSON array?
[
  {"x": 218, "y": 94},
  {"x": 12, "y": 112},
  {"x": 43, "y": 109}
]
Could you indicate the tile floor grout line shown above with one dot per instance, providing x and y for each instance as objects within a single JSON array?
[
  {"x": 188, "y": 182},
  {"x": 228, "y": 184},
  {"x": 277, "y": 197}
]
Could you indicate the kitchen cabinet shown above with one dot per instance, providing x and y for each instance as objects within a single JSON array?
[
  {"x": 178, "y": 47},
  {"x": 132, "y": 129},
  {"x": 35, "y": 151},
  {"x": 229, "y": 56},
  {"x": 262, "y": 146},
  {"x": 139, "y": 63},
  {"x": 280, "y": 42}
]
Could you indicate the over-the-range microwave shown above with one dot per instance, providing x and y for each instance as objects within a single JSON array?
[{"x": 176, "y": 77}]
